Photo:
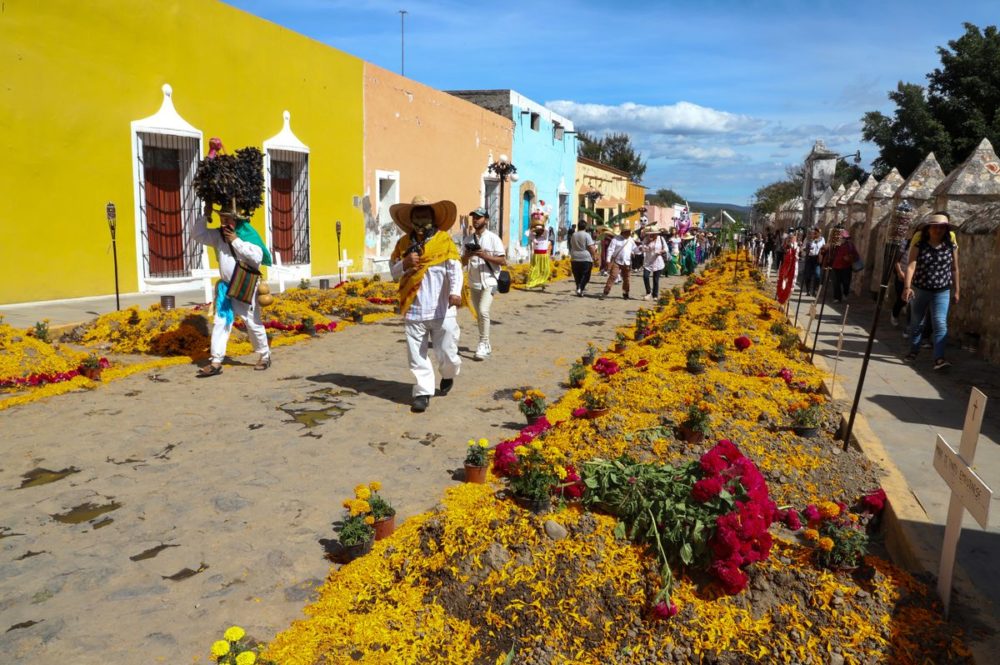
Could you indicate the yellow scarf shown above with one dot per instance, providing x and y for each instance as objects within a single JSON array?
[{"x": 438, "y": 249}]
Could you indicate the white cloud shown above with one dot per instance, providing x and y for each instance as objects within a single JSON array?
[{"x": 679, "y": 118}]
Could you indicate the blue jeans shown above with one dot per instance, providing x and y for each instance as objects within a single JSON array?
[{"x": 937, "y": 301}]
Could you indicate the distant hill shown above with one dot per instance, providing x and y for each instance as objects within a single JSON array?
[{"x": 711, "y": 210}]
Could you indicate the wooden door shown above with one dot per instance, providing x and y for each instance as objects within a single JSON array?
[
  {"x": 164, "y": 227},
  {"x": 282, "y": 212}
]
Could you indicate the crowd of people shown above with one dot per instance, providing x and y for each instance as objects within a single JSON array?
[
  {"x": 437, "y": 275},
  {"x": 925, "y": 276}
]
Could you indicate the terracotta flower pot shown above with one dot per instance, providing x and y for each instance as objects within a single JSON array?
[
  {"x": 475, "y": 474},
  {"x": 619, "y": 347},
  {"x": 696, "y": 368},
  {"x": 385, "y": 527},
  {"x": 807, "y": 432},
  {"x": 690, "y": 435},
  {"x": 531, "y": 419},
  {"x": 92, "y": 373},
  {"x": 597, "y": 413},
  {"x": 352, "y": 552},
  {"x": 536, "y": 506}
]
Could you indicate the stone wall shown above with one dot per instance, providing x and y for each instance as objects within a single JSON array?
[{"x": 975, "y": 319}]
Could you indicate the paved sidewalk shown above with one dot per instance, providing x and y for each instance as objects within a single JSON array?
[
  {"x": 78, "y": 310},
  {"x": 907, "y": 405}
]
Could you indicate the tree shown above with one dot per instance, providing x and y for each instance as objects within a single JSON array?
[
  {"x": 960, "y": 107},
  {"x": 615, "y": 150},
  {"x": 665, "y": 197},
  {"x": 770, "y": 197},
  {"x": 589, "y": 146}
]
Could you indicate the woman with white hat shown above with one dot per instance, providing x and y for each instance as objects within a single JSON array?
[{"x": 931, "y": 281}]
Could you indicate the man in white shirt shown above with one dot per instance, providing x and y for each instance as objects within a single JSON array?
[
  {"x": 427, "y": 265},
  {"x": 235, "y": 240},
  {"x": 619, "y": 257},
  {"x": 484, "y": 255}
]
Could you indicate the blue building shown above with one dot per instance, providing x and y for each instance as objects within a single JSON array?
[{"x": 544, "y": 153}]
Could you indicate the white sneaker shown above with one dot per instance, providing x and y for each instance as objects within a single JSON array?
[
  {"x": 483, "y": 351},
  {"x": 648, "y": 296}
]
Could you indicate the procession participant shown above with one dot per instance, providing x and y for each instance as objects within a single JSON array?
[
  {"x": 484, "y": 255},
  {"x": 541, "y": 256},
  {"x": 235, "y": 240},
  {"x": 811, "y": 274},
  {"x": 619, "y": 258},
  {"x": 688, "y": 261},
  {"x": 427, "y": 265},
  {"x": 654, "y": 249},
  {"x": 582, "y": 254}
]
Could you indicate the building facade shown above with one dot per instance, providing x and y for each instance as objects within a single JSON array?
[
  {"x": 124, "y": 119},
  {"x": 421, "y": 141},
  {"x": 544, "y": 152}
]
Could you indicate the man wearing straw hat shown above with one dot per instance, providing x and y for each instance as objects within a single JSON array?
[{"x": 427, "y": 264}]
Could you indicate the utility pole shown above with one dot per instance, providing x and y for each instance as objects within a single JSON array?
[{"x": 402, "y": 42}]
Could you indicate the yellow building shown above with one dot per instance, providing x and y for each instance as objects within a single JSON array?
[
  {"x": 635, "y": 194},
  {"x": 604, "y": 189},
  {"x": 115, "y": 101}
]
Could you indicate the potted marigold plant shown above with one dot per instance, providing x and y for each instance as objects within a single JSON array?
[
  {"x": 577, "y": 373},
  {"x": 589, "y": 354},
  {"x": 91, "y": 367},
  {"x": 537, "y": 475},
  {"x": 696, "y": 424},
  {"x": 476, "y": 461},
  {"x": 237, "y": 649},
  {"x": 382, "y": 510},
  {"x": 806, "y": 416},
  {"x": 839, "y": 537},
  {"x": 620, "y": 340},
  {"x": 531, "y": 402},
  {"x": 356, "y": 531},
  {"x": 595, "y": 400}
]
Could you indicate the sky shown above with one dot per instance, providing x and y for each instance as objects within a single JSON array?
[{"x": 719, "y": 97}]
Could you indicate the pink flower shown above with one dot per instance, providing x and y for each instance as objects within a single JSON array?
[
  {"x": 811, "y": 513},
  {"x": 579, "y": 412},
  {"x": 874, "y": 502},
  {"x": 732, "y": 578},
  {"x": 663, "y": 610},
  {"x": 792, "y": 520},
  {"x": 706, "y": 489},
  {"x": 742, "y": 342}
]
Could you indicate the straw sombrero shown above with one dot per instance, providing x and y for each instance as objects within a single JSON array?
[{"x": 445, "y": 213}]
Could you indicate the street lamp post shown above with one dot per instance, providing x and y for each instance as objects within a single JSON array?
[
  {"x": 340, "y": 270},
  {"x": 503, "y": 169},
  {"x": 113, "y": 227}
]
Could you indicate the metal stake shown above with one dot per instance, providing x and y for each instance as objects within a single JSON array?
[
  {"x": 340, "y": 270},
  {"x": 891, "y": 253},
  {"x": 822, "y": 306}
]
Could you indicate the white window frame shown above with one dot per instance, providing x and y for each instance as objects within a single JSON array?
[
  {"x": 166, "y": 122},
  {"x": 286, "y": 146}
]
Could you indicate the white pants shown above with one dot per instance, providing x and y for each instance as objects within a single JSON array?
[
  {"x": 482, "y": 299},
  {"x": 444, "y": 333},
  {"x": 256, "y": 330}
]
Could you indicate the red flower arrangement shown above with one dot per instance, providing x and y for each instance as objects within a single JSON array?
[
  {"x": 33, "y": 380},
  {"x": 580, "y": 412},
  {"x": 382, "y": 301},
  {"x": 743, "y": 342},
  {"x": 275, "y": 324},
  {"x": 741, "y": 537},
  {"x": 606, "y": 367},
  {"x": 874, "y": 502},
  {"x": 641, "y": 364},
  {"x": 504, "y": 459}
]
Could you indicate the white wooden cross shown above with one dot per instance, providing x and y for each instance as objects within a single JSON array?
[
  {"x": 968, "y": 491},
  {"x": 345, "y": 262}
]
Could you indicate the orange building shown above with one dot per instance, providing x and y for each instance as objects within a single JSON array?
[{"x": 421, "y": 141}]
